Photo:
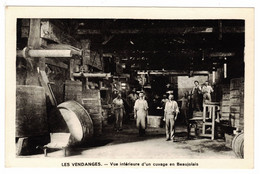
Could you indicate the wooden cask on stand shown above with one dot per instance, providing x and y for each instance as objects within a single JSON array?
[{"x": 31, "y": 119}]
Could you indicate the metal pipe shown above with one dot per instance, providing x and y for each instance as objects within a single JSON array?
[
  {"x": 99, "y": 75},
  {"x": 26, "y": 52},
  {"x": 50, "y": 53}
]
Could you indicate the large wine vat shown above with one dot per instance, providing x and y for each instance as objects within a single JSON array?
[
  {"x": 78, "y": 122},
  {"x": 31, "y": 116},
  {"x": 31, "y": 119}
]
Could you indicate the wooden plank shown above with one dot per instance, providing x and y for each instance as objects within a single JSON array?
[
  {"x": 52, "y": 32},
  {"x": 56, "y": 63},
  {"x": 19, "y": 145},
  {"x": 96, "y": 60},
  {"x": 45, "y": 83}
]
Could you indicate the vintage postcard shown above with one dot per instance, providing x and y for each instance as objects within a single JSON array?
[{"x": 129, "y": 87}]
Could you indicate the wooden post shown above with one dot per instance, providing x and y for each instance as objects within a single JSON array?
[
  {"x": 72, "y": 63},
  {"x": 34, "y": 41},
  {"x": 45, "y": 83},
  {"x": 85, "y": 60},
  {"x": 86, "y": 51}
]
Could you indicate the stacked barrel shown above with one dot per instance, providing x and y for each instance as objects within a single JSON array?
[
  {"x": 237, "y": 103},
  {"x": 225, "y": 103}
]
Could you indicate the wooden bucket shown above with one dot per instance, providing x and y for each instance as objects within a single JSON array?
[
  {"x": 154, "y": 121},
  {"x": 31, "y": 115},
  {"x": 78, "y": 120},
  {"x": 238, "y": 145}
]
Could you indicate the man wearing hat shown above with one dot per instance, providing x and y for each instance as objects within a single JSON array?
[{"x": 170, "y": 115}]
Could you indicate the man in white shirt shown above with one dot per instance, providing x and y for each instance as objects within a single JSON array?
[
  {"x": 207, "y": 90},
  {"x": 170, "y": 115},
  {"x": 140, "y": 113},
  {"x": 119, "y": 110}
]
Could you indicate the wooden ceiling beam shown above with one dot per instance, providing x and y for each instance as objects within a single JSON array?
[
  {"x": 172, "y": 72},
  {"x": 175, "y": 30}
]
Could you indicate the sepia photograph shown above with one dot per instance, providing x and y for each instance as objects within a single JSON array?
[{"x": 163, "y": 89}]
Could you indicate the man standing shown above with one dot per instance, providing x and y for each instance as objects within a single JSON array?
[
  {"x": 140, "y": 113},
  {"x": 185, "y": 107},
  {"x": 207, "y": 90},
  {"x": 196, "y": 92},
  {"x": 131, "y": 98},
  {"x": 119, "y": 110},
  {"x": 170, "y": 115}
]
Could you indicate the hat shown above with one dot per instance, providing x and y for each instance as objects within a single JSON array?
[{"x": 169, "y": 92}]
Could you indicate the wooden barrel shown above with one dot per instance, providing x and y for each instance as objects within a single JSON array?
[
  {"x": 73, "y": 90},
  {"x": 97, "y": 123},
  {"x": 105, "y": 113},
  {"x": 31, "y": 115},
  {"x": 238, "y": 145},
  {"x": 92, "y": 103},
  {"x": 79, "y": 123}
]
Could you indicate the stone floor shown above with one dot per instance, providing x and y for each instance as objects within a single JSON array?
[{"x": 127, "y": 144}]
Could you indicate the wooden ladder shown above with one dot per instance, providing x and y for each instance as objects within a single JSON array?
[{"x": 210, "y": 116}]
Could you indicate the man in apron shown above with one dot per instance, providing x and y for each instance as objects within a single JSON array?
[
  {"x": 140, "y": 113},
  {"x": 170, "y": 115}
]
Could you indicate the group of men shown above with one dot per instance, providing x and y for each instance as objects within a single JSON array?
[
  {"x": 171, "y": 109},
  {"x": 140, "y": 111},
  {"x": 205, "y": 90}
]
